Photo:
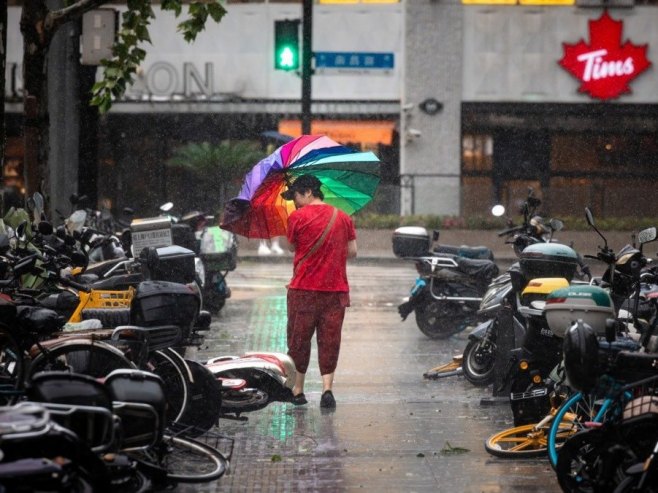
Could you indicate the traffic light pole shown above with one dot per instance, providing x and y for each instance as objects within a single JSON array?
[{"x": 307, "y": 70}]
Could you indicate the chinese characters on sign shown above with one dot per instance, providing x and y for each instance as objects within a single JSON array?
[
  {"x": 606, "y": 66},
  {"x": 354, "y": 60}
]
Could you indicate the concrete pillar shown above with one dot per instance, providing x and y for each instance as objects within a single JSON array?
[
  {"x": 430, "y": 144},
  {"x": 63, "y": 101}
]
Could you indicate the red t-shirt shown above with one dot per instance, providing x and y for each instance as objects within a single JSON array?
[{"x": 326, "y": 268}]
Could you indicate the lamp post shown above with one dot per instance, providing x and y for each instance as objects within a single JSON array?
[{"x": 307, "y": 70}]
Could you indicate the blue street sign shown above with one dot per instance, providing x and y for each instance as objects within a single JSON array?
[{"x": 354, "y": 60}]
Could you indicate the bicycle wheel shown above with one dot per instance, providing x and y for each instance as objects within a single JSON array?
[
  {"x": 589, "y": 461},
  {"x": 168, "y": 367},
  {"x": 12, "y": 369},
  {"x": 574, "y": 415},
  {"x": 520, "y": 441},
  {"x": 184, "y": 460},
  {"x": 92, "y": 358},
  {"x": 204, "y": 405}
]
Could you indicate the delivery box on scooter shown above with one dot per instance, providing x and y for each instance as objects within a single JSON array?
[
  {"x": 565, "y": 306},
  {"x": 172, "y": 263},
  {"x": 548, "y": 260},
  {"x": 411, "y": 241},
  {"x": 164, "y": 303}
]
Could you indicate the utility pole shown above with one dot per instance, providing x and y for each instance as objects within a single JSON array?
[{"x": 307, "y": 69}]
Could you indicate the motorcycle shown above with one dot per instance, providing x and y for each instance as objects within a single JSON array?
[{"x": 450, "y": 285}]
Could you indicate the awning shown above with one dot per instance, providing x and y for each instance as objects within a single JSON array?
[{"x": 345, "y": 131}]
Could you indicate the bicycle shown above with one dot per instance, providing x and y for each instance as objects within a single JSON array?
[
  {"x": 599, "y": 454},
  {"x": 136, "y": 399},
  {"x": 531, "y": 440}
]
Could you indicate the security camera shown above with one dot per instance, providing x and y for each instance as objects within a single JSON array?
[
  {"x": 414, "y": 132},
  {"x": 408, "y": 107}
]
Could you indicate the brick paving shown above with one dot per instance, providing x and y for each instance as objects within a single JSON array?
[{"x": 392, "y": 429}]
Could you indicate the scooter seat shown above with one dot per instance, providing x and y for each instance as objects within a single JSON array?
[
  {"x": 472, "y": 252},
  {"x": 484, "y": 270}
]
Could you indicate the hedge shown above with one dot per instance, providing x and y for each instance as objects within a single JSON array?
[{"x": 390, "y": 221}]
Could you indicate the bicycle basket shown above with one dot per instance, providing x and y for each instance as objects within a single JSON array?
[
  {"x": 110, "y": 299},
  {"x": 641, "y": 398}
]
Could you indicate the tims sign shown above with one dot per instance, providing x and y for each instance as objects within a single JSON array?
[{"x": 605, "y": 66}]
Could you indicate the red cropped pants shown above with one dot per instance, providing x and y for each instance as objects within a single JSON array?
[{"x": 311, "y": 311}]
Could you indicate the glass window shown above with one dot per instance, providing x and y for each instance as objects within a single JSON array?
[{"x": 477, "y": 153}]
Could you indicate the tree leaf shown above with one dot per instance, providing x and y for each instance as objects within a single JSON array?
[{"x": 450, "y": 450}]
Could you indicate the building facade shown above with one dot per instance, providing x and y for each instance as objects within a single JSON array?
[{"x": 467, "y": 104}]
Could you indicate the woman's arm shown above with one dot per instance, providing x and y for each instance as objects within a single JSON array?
[{"x": 351, "y": 249}]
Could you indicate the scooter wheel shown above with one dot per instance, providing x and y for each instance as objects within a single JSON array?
[
  {"x": 478, "y": 363},
  {"x": 243, "y": 400}
]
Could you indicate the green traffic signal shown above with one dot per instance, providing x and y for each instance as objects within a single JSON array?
[
  {"x": 286, "y": 45},
  {"x": 287, "y": 59}
]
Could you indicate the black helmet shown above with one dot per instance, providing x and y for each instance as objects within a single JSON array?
[{"x": 581, "y": 356}]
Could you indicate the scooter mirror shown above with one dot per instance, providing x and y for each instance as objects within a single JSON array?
[
  {"x": 646, "y": 235},
  {"x": 556, "y": 224},
  {"x": 589, "y": 217},
  {"x": 20, "y": 231},
  {"x": 166, "y": 207},
  {"x": 498, "y": 210}
]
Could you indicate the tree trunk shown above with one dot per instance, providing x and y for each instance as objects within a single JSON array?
[{"x": 36, "y": 38}]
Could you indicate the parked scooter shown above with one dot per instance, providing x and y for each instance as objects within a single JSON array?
[
  {"x": 508, "y": 292},
  {"x": 449, "y": 287},
  {"x": 269, "y": 377},
  {"x": 216, "y": 251},
  {"x": 453, "y": 280},
  {"x": 503, "y": 293}
]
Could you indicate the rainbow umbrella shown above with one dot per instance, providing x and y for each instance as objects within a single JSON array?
[{"x": 349, "y": 180}]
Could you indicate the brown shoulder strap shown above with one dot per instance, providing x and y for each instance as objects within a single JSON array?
[{"x": 321, "y": 239}]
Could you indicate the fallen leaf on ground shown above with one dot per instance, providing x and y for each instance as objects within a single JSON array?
[{"x": 450, "y": 450}]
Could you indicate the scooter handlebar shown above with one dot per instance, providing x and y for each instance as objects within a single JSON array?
[
  {"x": 75, "y": 285},
  {"x": 509, "y": 231}
]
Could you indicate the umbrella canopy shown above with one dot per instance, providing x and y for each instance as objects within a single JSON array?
[{"x": 349, "y": 179}]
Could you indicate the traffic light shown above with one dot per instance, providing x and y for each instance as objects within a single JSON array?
[{"x": 286, "y": 45}]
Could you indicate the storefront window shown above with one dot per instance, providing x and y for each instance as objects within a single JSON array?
[{"x": 477, "y": 153}]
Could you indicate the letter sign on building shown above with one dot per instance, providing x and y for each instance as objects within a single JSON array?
[{"x": 605, "y": 67}]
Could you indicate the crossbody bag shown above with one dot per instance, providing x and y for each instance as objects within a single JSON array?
[{"x": 320, "y": 240}]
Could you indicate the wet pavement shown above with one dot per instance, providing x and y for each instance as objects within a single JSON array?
[{"x": 392, "y": 429}]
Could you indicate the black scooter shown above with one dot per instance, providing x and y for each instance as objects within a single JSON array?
[{"x": 450, "y": 284}]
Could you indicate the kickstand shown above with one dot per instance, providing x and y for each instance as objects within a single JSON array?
[
  {"x": 234, "y": 417},
  {"x": 446, "y": 370}
]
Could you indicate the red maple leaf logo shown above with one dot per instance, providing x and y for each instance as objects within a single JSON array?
[{"x": 605, "y": 66}]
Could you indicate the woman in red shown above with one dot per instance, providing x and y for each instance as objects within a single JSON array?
[{"x": 323, "y": 238}]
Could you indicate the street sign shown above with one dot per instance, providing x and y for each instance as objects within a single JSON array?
[{"x": 354, "y": 60}]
